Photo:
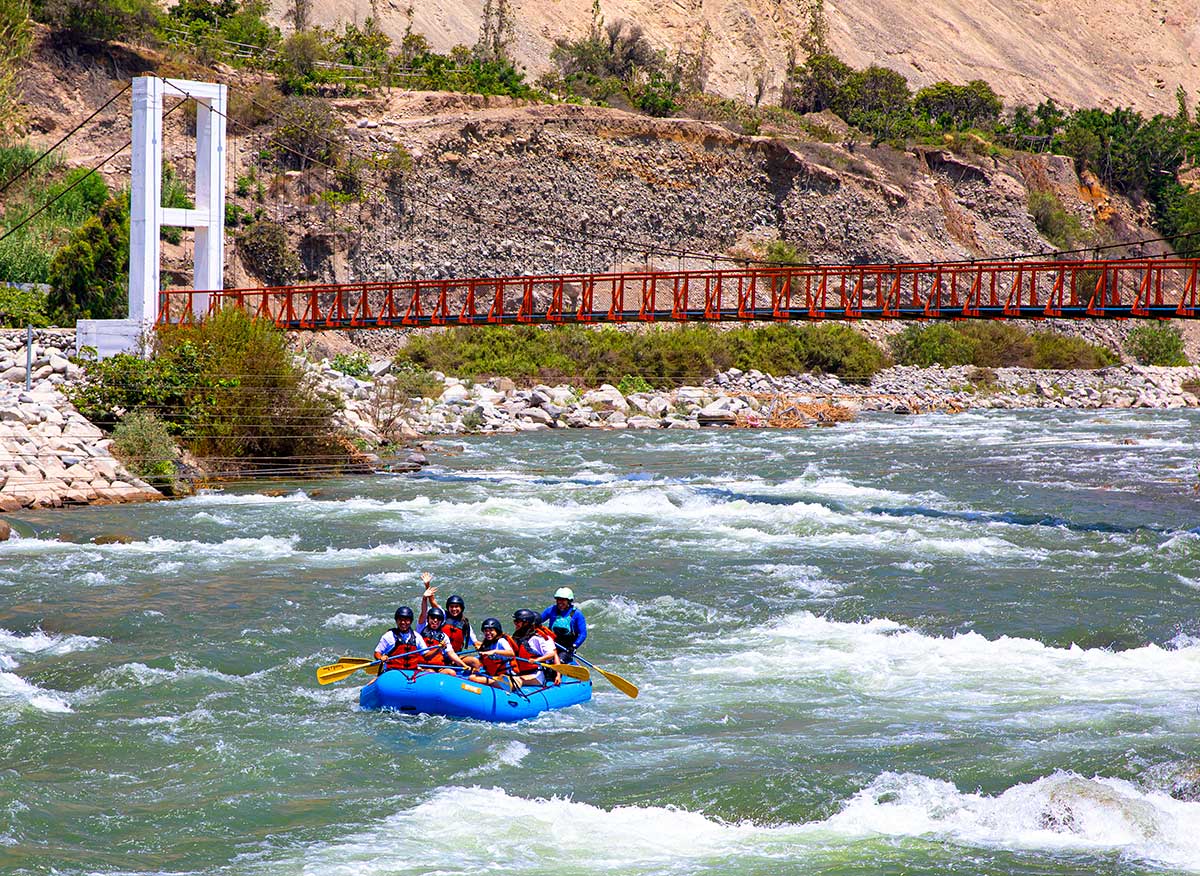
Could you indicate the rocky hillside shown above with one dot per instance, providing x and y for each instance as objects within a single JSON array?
[
  {"x": 498, "y": 188},
  {"x": 1080, "y": 52},
  {"x": 502, "y": 187}
]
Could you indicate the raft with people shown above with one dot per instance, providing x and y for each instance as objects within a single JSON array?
[
  {"x": 454, "y": 696},
  {"x": 444, "y": 669}
]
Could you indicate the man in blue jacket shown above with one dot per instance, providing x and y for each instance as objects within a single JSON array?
[{"x": 565, "y": 621}]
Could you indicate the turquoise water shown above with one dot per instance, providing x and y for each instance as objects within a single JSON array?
[{"x": 934, "y": 644}]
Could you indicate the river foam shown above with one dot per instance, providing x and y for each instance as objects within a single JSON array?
[
  {"x": 908, "y": 673},
  {"x": 15, "y": 692},
  {"x": 1061, "y": 813}
]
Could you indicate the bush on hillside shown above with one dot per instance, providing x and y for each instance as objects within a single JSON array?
[
  {"x": 81, "y": 194},
  {"x": 1157, "y": 343},
  {"x": 26, "y": 255},
  {"x": 1053, "y": 221},
  {"x": 307, "y": 132},
  {"x": 227, "y": 387},
  {"x": 267, "y": 253},
  {"x": 22, "y": 307},
  {"x": 101, "y": 20},
  {"x": 958, "y": 106},
  {"x": 89, "y": 276}
]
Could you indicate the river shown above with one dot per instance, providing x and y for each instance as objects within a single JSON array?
[{"x": 930, "y": 644}]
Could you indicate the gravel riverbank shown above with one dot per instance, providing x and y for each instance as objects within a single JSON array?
[{"x": 50, "y": 456}]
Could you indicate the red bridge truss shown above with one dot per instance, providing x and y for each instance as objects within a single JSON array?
[{"x": 1157, "y": 288}]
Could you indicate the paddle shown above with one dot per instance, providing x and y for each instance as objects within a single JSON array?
[
  {"x": 626, "y": 687},
  {"x": 564, "y": 668},
  {"x": 346, "y": 667}
]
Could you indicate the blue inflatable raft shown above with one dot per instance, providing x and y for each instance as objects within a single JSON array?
[{"x": 432, "y": 693}]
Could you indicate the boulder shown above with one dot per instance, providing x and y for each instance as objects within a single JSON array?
[
  {"x": 639, "y": 422},
  {"x": 454, "y": 393}
]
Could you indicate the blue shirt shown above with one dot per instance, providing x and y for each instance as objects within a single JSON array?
[{"x": 578, "y": 624}]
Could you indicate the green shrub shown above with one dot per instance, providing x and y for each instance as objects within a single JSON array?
[
  {"x": 662, "y": 356},
  {"x": 16, "y": 156},
  {"x": 16, "y": 36},
  {"x": 227, "y": 387},
  {"x": 22, "y": 307},
  {"x": 101, "y": 20},
  {"x": 1156, "y": 343},
  {"x": 631, "y": 383},
  {"x": 1052, "y": 350},
  {"x": 266, "y": 252},
  {"x": 1053, "y": 221},
  {"x": 998, "y": 344},
  {"x": 937, "y": 344},
  {"x": 249, "y": 109},
  {"x": 307, "y": 131},
  {"x": 780, "y": 252},
  {"x": 142, "y": 442},
  {"x": 89, "y": 276},
  {"x": 354, "y": 364},
  {"x": 25, "y": 256},
  {"x": 412, "y": 382},
  {"x": 472, "y": 420},
  {"x": 994, "y": 345},
  {"x": 85, "y": 192}
]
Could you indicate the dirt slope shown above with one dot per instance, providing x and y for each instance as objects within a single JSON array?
[{"x": 1081, "y": 52}]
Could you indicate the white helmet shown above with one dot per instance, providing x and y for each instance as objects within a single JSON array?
[{"x": 564, "y": 593}]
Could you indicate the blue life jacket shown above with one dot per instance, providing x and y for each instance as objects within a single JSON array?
[{"x": 563, "y": 627}]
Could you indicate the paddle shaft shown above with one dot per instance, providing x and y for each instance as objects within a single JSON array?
[{"x": 623, "y": 685}]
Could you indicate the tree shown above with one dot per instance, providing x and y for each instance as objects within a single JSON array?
[
  {"x": 89, "y": 276},
  {"x": 299, "y": 14},
  {"x": 958, "y": 106},
  {"x": 495, "y": 31},
  {"x": 101, "y": 20},
  {"x": 817, "y": 85}
]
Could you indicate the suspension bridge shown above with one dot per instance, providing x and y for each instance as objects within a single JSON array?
[
  {"x": 1015, "y": 288},
  {"x": 1154, "y": 288}
]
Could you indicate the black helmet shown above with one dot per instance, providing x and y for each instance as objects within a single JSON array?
[
  {"x": 524, "y": 616},
  {"x": 456, "y": 600},
  {"x": 404, "y": 613},
  {"x": 435, "y": 616},
  {"x": 492, "y": 623}
]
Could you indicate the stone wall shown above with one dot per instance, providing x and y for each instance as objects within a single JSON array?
[{"x": 50, "y": 456}]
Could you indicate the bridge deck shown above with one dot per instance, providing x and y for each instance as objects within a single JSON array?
[{"x": 1124, "y": 289}]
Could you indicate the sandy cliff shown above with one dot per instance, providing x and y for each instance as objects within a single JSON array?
[{"x": 1081, "y": 52}]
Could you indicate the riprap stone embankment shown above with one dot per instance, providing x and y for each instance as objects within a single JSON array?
[{"x": 50, "y": 455}]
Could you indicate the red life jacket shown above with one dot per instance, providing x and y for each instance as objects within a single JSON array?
[
  {"x": 456, "y": 630},
  {"x": 405, "y": 646},
  {"x": 521, "y": 649},
  {"x": 494, "y": 665},
  {"x": 438, "y": 656}
]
